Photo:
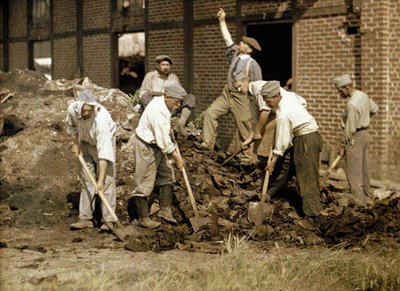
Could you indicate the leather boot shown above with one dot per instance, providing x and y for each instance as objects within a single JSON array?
[
  {"x": 142, "y": 207},
  {"x": 165, "y": 212}
]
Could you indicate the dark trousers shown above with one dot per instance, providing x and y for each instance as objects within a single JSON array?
[{"x": 303, "y": 161}]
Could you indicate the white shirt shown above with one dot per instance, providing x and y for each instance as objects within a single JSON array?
[
  {"x": 155, "y": 125},
  {"x": 292, "y": 119},
  {"x": 153, "y": 81},
  {"x": 98, "y": 130}
]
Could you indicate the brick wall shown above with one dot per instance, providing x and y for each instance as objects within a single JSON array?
[
  {"x": 18, "y": 21},
  {"x": 64, "y": 16},
  {"x": 203, "y": 9},
  {"x": 97, "y": 59},
  {"x": 96, "y": 14},
  {"x": 393, "y": 115},
  {"x": 256, "y": 7},
  {"x": 64, "y": 58},
  {"x": 1, "y": 58},
  {"x": 166, "y": 10},
  {"x": 18, "y": 55}
]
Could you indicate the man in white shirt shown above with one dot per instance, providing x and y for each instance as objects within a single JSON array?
[
  {"x": 297, "y": 137},
  {"x": 153, "y": 146},
  {"x": 94, "y": 136},
  {"x": 232, "y": 100},
  {"x": 355, "y": 142},
  {"x": 153, "y": 84}
]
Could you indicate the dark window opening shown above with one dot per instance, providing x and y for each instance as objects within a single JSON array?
[
  {"x": 130, "y": 7},
  {"x": 40, "y": 13},
  {"x": 275, "y": 58},
  {"x": 131, "y": 60},
  {"x": 41, "y": 58},
  {"x": 351, "y": 30}
]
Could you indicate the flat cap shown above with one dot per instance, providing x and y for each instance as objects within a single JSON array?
[
  {"x": 175, "y": 90},
  {"x": 342, "y": 80},
  {"x": 239, "y": 77},
  {"x": 86, "y": 96},
  {"x": 271, "y": 89},
  {"x": 251, "y": 42},
  {"x": 161, "y": 58}
]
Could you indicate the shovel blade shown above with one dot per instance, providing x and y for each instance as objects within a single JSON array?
[
  {"x": 258, "y": 212},
  {"x": 198, "y": 222}
]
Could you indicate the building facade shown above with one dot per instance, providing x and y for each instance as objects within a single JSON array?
[{"x": 310, "y": 41}]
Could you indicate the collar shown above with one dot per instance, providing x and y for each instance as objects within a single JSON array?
[{"x": 244, "y": 56}]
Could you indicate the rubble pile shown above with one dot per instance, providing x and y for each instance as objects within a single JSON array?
[{"x": 39, "y": 185}]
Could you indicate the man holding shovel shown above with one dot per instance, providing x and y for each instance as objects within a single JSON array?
[
  {"x": 94, "y": 138},
  {"x": 153, "y": 146},
  {"x": 355, "y": 123},
  {"x": 297, "y": 146}
]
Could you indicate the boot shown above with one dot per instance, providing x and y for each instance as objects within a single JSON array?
[
  {"x": 143, "y": 213},
  {"x": 81, "y": 224},
  {"x": 166, "y": 203}
]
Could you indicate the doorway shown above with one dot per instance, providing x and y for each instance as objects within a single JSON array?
[
  {"x": 275, "y": 58},
  {"x": 131, "y": 61}
]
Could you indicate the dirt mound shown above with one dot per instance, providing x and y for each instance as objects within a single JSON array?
[{"x": 39, "y": 186}]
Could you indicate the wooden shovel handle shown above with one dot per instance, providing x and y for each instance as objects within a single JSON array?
[
  {"x": 235, "y": 154},
  {"x": 331, "y": 168},
  {"x": 191, "y": 197},
  {"x": 266, "y": 180},
  {"x": 93, "y": 180}
]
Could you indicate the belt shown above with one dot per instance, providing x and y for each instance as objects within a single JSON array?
[{"x": 362, "y": 128}]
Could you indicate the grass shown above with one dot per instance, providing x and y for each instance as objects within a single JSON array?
[{"x": 243, "y": 268}]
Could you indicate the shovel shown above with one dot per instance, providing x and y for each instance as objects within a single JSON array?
[
  {"x": 330, "y": 169},
  {"x": 117, "y": 231},
  {"x": 235, "y": 154},
  {"x": 259, "y": 210}
]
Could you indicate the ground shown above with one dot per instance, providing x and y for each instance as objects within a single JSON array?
[{"x": 39, "y": 194}]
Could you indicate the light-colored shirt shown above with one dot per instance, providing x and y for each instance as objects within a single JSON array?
[
  {"x": 255, "y": 90},
  {"x": 357, "y": 114},
  {"x": 153, "y": 81},
  {"x": 292, "y": 119},
  {"x": 98, "y": 130},
  {"x": 155, "y": 125}
]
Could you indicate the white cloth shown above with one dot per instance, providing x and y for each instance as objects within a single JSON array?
[
  {"x": 98, "y": 130},
  {"x": 153, "y": 81},
  {"x": 155, "y": 125},
  {"x": 292, "y": 119}
]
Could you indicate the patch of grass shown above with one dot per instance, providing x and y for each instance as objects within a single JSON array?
[{"x": 243, "y": 268}]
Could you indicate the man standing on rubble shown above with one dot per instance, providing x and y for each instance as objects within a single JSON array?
[
  {"x": 153, "y": 145},
  {"x": 231, "y": 99},
  {"x": 354, "y": 147},
  {"x": 155, "y": 81},
  {"x": 297, "y": 146},
  {"x": 94, "y": 137}
]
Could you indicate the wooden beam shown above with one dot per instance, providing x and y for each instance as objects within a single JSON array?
[
  {"x": 79, "y": 37},
  {"x": 188, "y": 44}
]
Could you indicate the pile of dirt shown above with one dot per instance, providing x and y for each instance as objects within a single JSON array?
[{"x": 39, "y": 185}]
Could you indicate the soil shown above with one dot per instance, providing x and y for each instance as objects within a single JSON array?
[{"x": 39, "y": 198}]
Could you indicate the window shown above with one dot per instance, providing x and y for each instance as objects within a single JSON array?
[
  {"x": 40, "y": 13},
  {"x": 131, "y": 7}
]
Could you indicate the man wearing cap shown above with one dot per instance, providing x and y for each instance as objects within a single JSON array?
[
  {"x": 94, "y": 137},
  {"x": 154, "y": 83},
  {"x": 297, "y": 147},
  {"x": 231, "y": 99},
  {"x": 264, "y": 130},
  {"x": 355, "y": 141},
  {"x": 153, "y": 146}
]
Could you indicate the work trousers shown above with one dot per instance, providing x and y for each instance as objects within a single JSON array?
[
  {"x": 237, "y": 103},
  {"x": 151, "y": 169},
  {"x": 303, "y": 160},
  {"x": 87, "y": 201},
  {"x": 357, "y": 168}
]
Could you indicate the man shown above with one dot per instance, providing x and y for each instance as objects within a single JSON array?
[
  {"x": 231, "y": 99},
  {"x": 155, "y": 81},
  {"x": 298, "y": 141},
  {"x": 355, "y": 123},
  {"x": 264, "y": 130},
  {"x": 153, "y": 146},
  {"x": 94, "y": 137}
]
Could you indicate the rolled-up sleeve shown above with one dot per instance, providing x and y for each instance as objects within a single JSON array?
[
  {"x": 284, "y": 136},
  {"x": 146, "y": 84},
  {"x": 69, "y": 121}
]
